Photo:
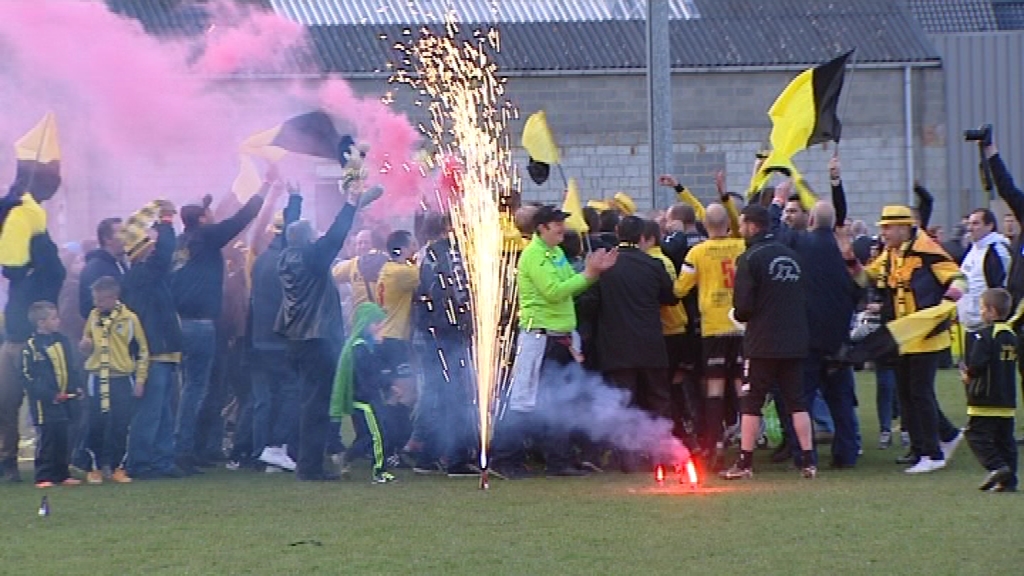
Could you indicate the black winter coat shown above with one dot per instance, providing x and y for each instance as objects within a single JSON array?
[
  {"x": 198, "y": 279},
  {"x": 311, "y": 307},
  {"x": 40, "y": 280},
  {"x": 1014, "y": 198},
  {"x": 627, "y": 302},
  {"x": 992, "y": 368},
  {"x": 48, "y": 369},
  {"x": 146, "y": 290},
  {"x": 266, "y": 294},
  {"x": 768, "y": 295}
]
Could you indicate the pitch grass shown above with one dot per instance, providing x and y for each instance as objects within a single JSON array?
[{"x": 870, "y": 520}]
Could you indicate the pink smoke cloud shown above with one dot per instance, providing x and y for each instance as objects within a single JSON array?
[{"x": 142, "y": 117}]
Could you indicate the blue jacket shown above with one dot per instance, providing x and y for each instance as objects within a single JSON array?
[{"x": 830, "y": 292}]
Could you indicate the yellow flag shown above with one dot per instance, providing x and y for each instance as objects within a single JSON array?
[
  {"x": 248, "y": 181},
  {"x": 41, "y": 144},
  {"x": 538, "y": 140},
  {"x": 572, "y": 205},
  {"x": 262, "y": 144}
]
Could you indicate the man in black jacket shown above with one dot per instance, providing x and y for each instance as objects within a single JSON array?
[
  {"x": 768, "y": 295},
  {"x": 107, "y": 260},
  {"x": 146, "y": 291},
  {"x": 628, "y": 303},
  {"x": 831, "y": 296},
  {"x": 1014, "y": 198},
  {"x": 310, "y": 319},
  {"x": 197, "y": 284}
]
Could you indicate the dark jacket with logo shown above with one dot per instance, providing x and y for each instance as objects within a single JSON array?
[
  {"x": 768, "y": 295},
  {"x": 992, "y": 368},
  {"x": 48, "y": 370},
  {"x": 627, "y": 303},
  {"x": 146, "y": 290},
  {"x": 311, "y": 307},
  {"x": 98, "y": 263}
]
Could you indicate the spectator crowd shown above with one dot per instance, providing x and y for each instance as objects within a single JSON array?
[{"x": 247, "y": 338}]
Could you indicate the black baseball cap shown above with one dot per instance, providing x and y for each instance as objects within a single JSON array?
[{"x": 547, "y": 214}]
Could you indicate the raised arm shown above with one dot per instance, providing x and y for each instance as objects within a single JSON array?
[
  {"x": 1005, "y": 186},
  {"x": 925, "y": 204},
  {"x": 838, "y": 194},
  {"x": 220, "y": 233}
]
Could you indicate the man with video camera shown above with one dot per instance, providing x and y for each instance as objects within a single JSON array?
[{"x": 995, "y": 171}]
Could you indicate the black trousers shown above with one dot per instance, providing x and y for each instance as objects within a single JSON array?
[
  {"x": 314, "y": 361},
  {"x": 648, "y": 387},
  {"x": 52, "y": 452},
  {"x": 991, "y": 439},
  {"x": 921, "y": 416},
  {"x": 511, "y": 430},
  {"x": 108, "y": 431}
]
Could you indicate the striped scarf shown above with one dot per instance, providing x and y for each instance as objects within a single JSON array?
[{"x": 106, "y": 323}]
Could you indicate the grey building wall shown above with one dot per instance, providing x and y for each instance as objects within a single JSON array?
[{"x": 719, "y": 121}]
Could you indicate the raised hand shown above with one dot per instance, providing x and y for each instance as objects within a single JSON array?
[
  {"x": 834, "y": 168},
  {"x": 668, "y": 181}
]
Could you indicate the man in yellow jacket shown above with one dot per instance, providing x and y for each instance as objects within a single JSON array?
[{"x": 914, "y": 273}]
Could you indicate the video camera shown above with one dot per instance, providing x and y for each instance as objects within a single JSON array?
[{"x": 983, "y": 136}]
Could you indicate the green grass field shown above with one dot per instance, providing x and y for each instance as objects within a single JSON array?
[{"x": 871, "y": 520}]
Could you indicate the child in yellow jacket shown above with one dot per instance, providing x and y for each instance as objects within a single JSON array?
[{"x": 118, "y": 364}]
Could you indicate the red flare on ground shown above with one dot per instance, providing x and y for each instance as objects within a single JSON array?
[
  {"x": 691, "y": 471},
  {"x": 659, "y": 474}
]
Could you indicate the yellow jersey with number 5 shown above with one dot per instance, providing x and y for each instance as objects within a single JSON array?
[{"x": 711, "y": 267}]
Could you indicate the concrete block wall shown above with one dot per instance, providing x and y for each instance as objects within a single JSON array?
[{"x": 719, "y": 121}]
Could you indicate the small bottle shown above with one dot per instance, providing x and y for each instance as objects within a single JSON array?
[{"x": 44, "y": 507}]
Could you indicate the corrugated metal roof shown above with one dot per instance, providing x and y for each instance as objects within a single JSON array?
[
  {"x": 1009, "y": 15},
  {"x": 954, "y": 16},
  {"x": 340, "y": 12},
  {"x": 729, "y": 33}
]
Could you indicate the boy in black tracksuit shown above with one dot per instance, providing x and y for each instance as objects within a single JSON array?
[
  {"x": 991, "y": 379},
  {"x": 50, "y": 383}
]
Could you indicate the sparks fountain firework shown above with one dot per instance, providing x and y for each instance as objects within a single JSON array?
[{"x": 469, "y": 115}]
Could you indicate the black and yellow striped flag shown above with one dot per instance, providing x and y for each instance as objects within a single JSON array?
[
  {"x": 804, "y": 114},
  {"x": 540, "y": 144},
  {"x": 902, "y": 334}
]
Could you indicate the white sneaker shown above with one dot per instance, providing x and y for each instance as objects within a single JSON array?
[
  {"x": 948, "y": 448},
  {"x": 925, "y": 465},
  {"x": 276, "y": 456}
]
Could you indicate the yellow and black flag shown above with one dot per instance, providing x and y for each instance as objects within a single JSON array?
[
  {"x": 36, "y": 180},
  {"x": 311, "y": 134},
  {"x": 804, "y": 114},
  {"x": 902, "y": 335},
  {"x": 540, "y": 144}
]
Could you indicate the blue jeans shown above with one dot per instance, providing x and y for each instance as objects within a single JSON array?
[
  {"x": 151, "y": 438},
  {"x": 821, "y": 415},
  {"x": 275, "y": 401},
  {"x": 836, "y": 385},
  {"x": 885, "y": 380},
  {"x": 199, "y": 344}
]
